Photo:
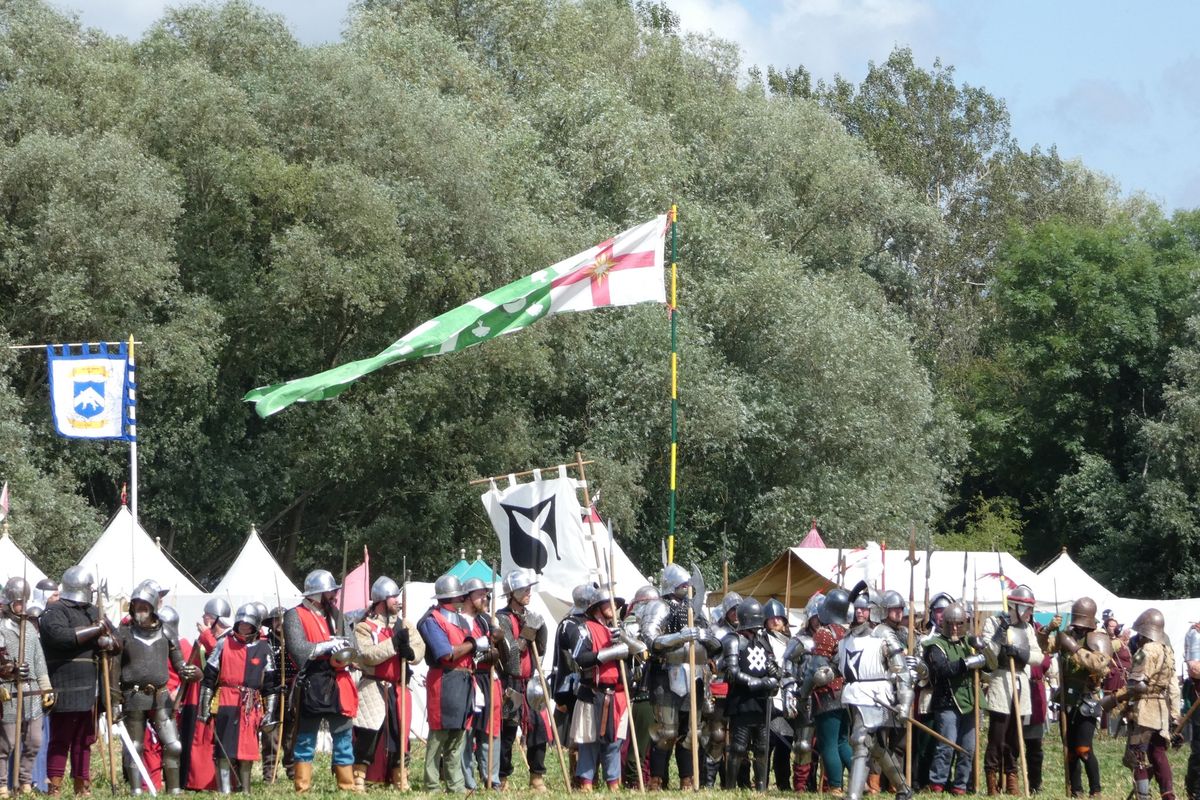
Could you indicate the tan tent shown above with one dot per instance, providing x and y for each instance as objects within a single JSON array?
[{"x": 788, "y": 577}]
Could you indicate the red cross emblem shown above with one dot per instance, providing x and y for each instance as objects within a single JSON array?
[{"x": 598, "y": 270}]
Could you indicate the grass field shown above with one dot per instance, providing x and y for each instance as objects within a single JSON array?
[{"x": 1114, "y": 776}]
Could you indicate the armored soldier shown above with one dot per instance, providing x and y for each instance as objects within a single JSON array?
[
  {"x": 880, "y": 679},
  {"x": 197, "y": 765},
  {"x": 1086, "y": 659},
  {"x": 642, "y": 712},
  {"x": 485, "y": 717},
  {"x": 1191, "y": 688},
  {"x": 325, "y": 690},
  {"x": 524, "y": 629},
  {"x": 666, "y": 632},
  {"x": 450, "y": 652},
  {"x": 274, "y": 747},
  {"x": 140, "y": 685},
  {"x": 380, "y": 732},
  {"x": 564, "y": 674},
  {"x": 74, "y": 633},
  {"x": 30, "y": 670},
  {"x": 1154, "y": 706},
  {"x": 822, "y": 686},
  {"x": 951, "y": 659},
  {"x": 777, "y": 634},
  {"x": 241, "y": 680},
  {"x": 1010, "y": 646},
  {"x": 717, "y": 723},
  {"x": 797, "y": 709},
  {"x": 754, "y": 676},
  {"x": 600, "y": 722}
]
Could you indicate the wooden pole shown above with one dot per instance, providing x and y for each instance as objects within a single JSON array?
[
  {"x": 912, "y": 648},
  {"x": 562, "y": 761},
  {"x": 16, "y": 752},
  {"x": 283, "y": 660},
  {"x": 975, "y": 681},
  {"x": 787, "y": 590},
  {"x": 1013, "y": 685},
  {"x": 492, "y": 623},
  {"x": 1062, "y": 706},
  {"x": 405, "y": 735},
  {"x": 106, "y": 690},
  {"x": 693, "y": 727},
  {"x": 523, "y": 474},
  {"x": 612, "y": 591}
]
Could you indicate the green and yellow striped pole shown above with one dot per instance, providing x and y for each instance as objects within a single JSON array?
[{"x": 673, "y": 310}]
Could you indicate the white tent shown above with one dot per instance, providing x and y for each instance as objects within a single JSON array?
[
  {"x": 1070, "y": 581},
  {"x": 15, "y": 564},
  {"x": 125, "y": 555},
  {"x": 255, "y": 575}
]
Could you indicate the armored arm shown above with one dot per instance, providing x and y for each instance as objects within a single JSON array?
[
  {"x": 299, "y": 648},
  {"x": 730, "y": 649}
]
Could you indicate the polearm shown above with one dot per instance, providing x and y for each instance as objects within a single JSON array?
[
  {"x": 612, "y": 593},
  {"x": 562, "y": 760},
  {"x": 104, "y": 672},
  {"x": 693, "y": 727},
  {"x": 975, "y": 676},
  {"x": 20, "y": 660},
  {"x": 406, "y": 734},
  {"x": 491, "y": 723},
  {"x": 912, "y": 644},
  {"x": 1062, "y": 704},
  {"x": 282, "y": 689},
  {"x": 1013, "y": 683}
]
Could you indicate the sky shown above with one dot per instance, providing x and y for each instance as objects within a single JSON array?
[{"x": 1115, "y": 84}]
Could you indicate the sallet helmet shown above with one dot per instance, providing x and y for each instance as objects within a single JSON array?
[
  {"x": 474, "y": 585},
  {"x": 77, "y": 584},
  {"x": 729, "y": 603},
  {"x": 774, "y": 608},
  {"x": 16, "y": 590},
  {"x": 248, "y": 612},
  {"x": 218, "y": 607},
  {"x": 750, "y": 615},
  {"x": 673, "y": 577},
  {"x": 954, "y": 620},
  {"x": 579, "y": 596},
  {"x": 170, "y": 619},
  {"x": 1083, "y": 614},
  {"x": 147, "y": 592},
  {"x": 1149, "y": 625},
  {"x": 836, "y": 608}
]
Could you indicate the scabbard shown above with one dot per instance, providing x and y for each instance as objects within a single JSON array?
[{"x": 605, "y": 713}]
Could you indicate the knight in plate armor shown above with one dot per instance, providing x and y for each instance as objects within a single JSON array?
[
  {"x": 880, "y": 677},
  {"x": 754, "y": 677},
  {"x": 1010, "y": 647},
  {"x": 666, "y": 632}
]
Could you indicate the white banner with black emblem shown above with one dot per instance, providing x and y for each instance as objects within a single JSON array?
[{"x": 540, "y": 526}]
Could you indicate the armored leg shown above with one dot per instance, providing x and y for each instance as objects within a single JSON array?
[
  {"x": 135, "y": 725},
  {"x": 891, "y": 770},
  {"x": 860, "y": 751},
  {"x": 172, "y": 747},
  {"x": 243, "y": 770},
  {"x": 224, "y": 777},
  {"x": 665, "y": 731},
  {"x": 739, "y": 746}
]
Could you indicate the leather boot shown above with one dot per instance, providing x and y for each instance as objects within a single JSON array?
[
  {"x": 399, "y": 779},
  {"x": 344, "y": 774},
  {"x": 1010, "y": 784},
  {"x": 82, "y": 786},
  {"x": 654, "y": 784},
  {"x": 54, "y": 786},
  {"x": 993, "y": 783},
  {"x": 537, "y": 783},
  {"x": 504, "y": 784},
  {"x": 873, "y": 783},
  {"x": 303, "y": 780},
  {"x": 360, "y": 777},
  {"x": 685, "y": 784}
]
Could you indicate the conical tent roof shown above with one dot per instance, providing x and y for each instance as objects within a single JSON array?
[
  {"x": 1071, "y": 581},
  {"x": 255, "y": 575},
  {"x": 125, "y": 555},
  {"x": 15, "y": 564}
]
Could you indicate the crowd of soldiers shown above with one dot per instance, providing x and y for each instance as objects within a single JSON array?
[{"x": 860, "y": 699}]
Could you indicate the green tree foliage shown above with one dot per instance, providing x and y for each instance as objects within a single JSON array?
[{"x": 254, "y": 209}]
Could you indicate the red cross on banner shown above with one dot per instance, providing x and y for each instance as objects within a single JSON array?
[{"x": 597, "y": 270}]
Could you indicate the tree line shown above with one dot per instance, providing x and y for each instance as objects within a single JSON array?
[{"x": 892, "y": 312}]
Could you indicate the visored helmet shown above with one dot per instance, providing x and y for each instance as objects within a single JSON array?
[
  {"x": 519, "y": 579},
  {"x": 448, "y": 587},
  {"x": 77, "y": 584},
  {"x": 147, "y": 592},
  {"x": 940, "y": 600},
  {"x": 750, "y": 615},
  {"x": 384, "y": 588},
  {"x": 1022, "y": 601},
  {"x": 1083, "y": 614},
  {"x": 643, "y": 596},
  {"x": 773, "y": 608},
  {"x": 836, "y": 608},
  {"x": 319, "y": 581},
  {"x": 673, "y": 577},
  {"x": 813, "y": 607},
  {"x": 249, "y": 613},
  {"x": 218, "y": 607}
]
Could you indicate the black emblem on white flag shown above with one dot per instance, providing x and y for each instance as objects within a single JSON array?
[{"x": 531, "y": 534}]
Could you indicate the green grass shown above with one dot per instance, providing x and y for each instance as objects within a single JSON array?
[{"x": 1114, "y": 777}]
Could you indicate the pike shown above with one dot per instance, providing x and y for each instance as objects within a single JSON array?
[
  {"x": 693, "y": 723},
  {"x": 20, "y": 660},
  {"x": 1062, "y": 703},
  {"x": 1012, "y": 679},
  {"x": 406, "y": 735},
  {"x": 975, "y": 672},
  {"x": 106, "y": 675},
  {"x": 282, "y": 691},
  {"x": 494, "y": 624},
  {"x": 912, "y": 641}
]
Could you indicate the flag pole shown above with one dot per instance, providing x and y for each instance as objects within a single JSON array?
[
  {"x": 673, "y": 311},
  {"x": 131, "y": 384}
]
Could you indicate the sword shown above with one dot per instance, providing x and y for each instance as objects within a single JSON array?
[{"x": 119, "y": 728}]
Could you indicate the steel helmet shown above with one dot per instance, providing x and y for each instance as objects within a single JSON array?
[
  {"x": 1022, "y": 595},
  {"x": 1149, "y": 625},
  {"x": 836, "y": 608},
  {"x": 384, "y": 588},
  {"x": 673, "y": 576},
  {"x": 729, "y": 603},
  {"x": 1083, "y": 614},
  {"x": 218, "y": 607},
  {"x": 535, "y": 696},
  {"x": 474, "y": 585},
  {"x": 16, "y": 591},
  {"x": 643, "y": 597},
  {"x": 940, "y": 600},
  {"x": 519, "y": 579},
  {"x": 248, "y": 612},
  {"x": 774, "y": 608},
  {"x": 954, "y": 614},
  {"x": 77, "y": 584},
  {"x": 169, "y": 617},
  {"x": 147, "y": 592},
  {"x": 579, "y": 596},
  {"x": 261, "y": 607},
  {"x": 813, "y": 607},
  {"x": 750, "y": 615},
  {"x": 319, "y": 581},
  {"x": 448, "y": 587}
]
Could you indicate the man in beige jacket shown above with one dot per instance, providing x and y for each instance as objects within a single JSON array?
[
  {"x": 381, "y": 727},
  {"x": 1154, "y": 706},
  {"x": 1010, "y": 646}
]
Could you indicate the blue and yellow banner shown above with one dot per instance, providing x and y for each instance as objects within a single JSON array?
[{"x": 92, "y": 391}]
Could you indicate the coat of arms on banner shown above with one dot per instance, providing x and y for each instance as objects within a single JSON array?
[{"x": 90, "y": 392}]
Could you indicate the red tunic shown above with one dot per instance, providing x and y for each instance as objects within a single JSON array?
[
  {"x": 482, "y": 679},
  {"x": 377, "y": 770},
  {"x": 316, "y": 630},
  {"x": 202, "y": 767},
  {"x": 448, "y": 683},
  {"x": 607, "y": 676},
  {"x": 239, "y": 707}
]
